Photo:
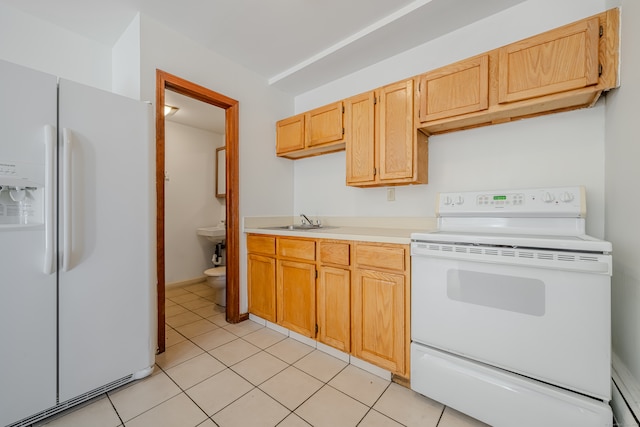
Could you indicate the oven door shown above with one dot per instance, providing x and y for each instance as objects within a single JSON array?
[{"x": 546, "y": 323}]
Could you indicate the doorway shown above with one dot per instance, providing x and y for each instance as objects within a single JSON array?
[{"x": 166, "y": 81}]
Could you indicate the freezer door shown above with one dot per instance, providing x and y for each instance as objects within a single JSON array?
[
  {"x": 107, "y": 277},
  {"x": 28, "y": 301}
]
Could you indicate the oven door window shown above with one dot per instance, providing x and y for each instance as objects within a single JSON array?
[
  {"x": 518, "y": 294},
  {"x": 542, "y": 323}
]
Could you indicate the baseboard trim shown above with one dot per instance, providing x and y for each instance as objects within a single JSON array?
[
  {"x": 186, "y": 282},
  {"x": 625, "y": 401}
]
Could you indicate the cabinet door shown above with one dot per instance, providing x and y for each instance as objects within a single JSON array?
[
  {"x": 290, "y": 134},
  {"x": 296, "y": 297},
  {"x": 396, "y": 132},
  {"x": 359, "y": 138},
  {"x": 379, "y": 319},
  {"x": 334, "y": 307},
  {"x": 457, "y": 89},
  {"x": 261, "y": 282},
  {"x": 556, "y": 61},
  {"x": 324, "y": 124}
]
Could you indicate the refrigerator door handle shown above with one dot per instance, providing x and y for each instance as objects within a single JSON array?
[
  {"x": 67, "y": 142},
  {"x": 49, "y": 159}
]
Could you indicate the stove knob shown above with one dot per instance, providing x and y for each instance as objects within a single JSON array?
[
  {"x": 566, "y": 197},
  {"x": 459, "y": 200},
  {"x": 548, "y": 197},
  {"x": 447, "y": 201}
]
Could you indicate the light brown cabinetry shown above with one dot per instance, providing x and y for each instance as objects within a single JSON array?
[
  {"x": 296, "y": 285},
  {"x": 324, "y": 125},
  {"x": 261, "y": 276},
  {"x": 456, "y": 89},
  {"x": 382, "y": 146},
  {"x": 318, "y": 131},
  {"x": 290, "y": 135},
  {"x": 360, "y": 132},
  {"x": 562, "y": 69},
  {"x": 334, "y": 294},
  {"x": 380, "y": 306},
  {"x": 359, "y": 299}
]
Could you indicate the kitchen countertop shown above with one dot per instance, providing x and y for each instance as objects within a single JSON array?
[{"x": 367, "y": 229}]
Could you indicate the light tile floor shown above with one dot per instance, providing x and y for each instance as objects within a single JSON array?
[{"x": 217, "y": 374}]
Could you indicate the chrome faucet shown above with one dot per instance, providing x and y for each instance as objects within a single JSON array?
[{"x": 304, "y": 217}]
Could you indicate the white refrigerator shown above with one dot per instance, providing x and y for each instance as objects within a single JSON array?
[{"x": 77, "y": 224}]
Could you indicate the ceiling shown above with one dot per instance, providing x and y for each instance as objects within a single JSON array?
[
  {"x": 296, "y": 45},
  {"x": 195, "y": 113}
]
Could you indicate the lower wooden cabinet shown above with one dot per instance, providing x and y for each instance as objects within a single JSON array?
[
  {"x": 296, "y": 297},
  {"x": 334, "y": 294},
  {"x": 296, "y": 285},
  {"x": 353, "y": 296},
  {"x": 261, "y": 283},
  {"x": 378, "y": 324},
  {"x": 334, "y": 307},
  {"x": 381, "y": 305},
  {"x": 261, "y": 276}
]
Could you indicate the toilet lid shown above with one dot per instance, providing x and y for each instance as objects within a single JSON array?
[{"x": 216, "y": 271}]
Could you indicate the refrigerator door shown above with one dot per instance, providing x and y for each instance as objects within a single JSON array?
[
  {"x": 28, "y": 301},
  {"x": 107, "y": 272}
]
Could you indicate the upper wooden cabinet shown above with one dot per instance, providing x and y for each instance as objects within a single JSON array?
[
  {"x": 315, "y": 132},
  {"x": 290, "y": 135},
  {"x": 360, "y": 132},
  {"x": 324, "y": 124},
  {"x": 382, "y": 145},
  {"x": 456, "y": 89},
  {"x": 562, "y": 69},
  {"x": 556, "y": 61}
]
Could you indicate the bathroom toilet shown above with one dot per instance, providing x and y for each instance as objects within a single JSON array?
[{"x": 217, "y": 279}]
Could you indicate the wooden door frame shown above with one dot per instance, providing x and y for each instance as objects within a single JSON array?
[{"x": 165, "y": 81}]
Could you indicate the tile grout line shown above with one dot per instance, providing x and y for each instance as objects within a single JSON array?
[
  {"x": 230, "y": 367},
  {"x": 114, "y": 409}
]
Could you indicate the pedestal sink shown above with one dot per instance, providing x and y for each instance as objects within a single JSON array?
[{"x": 214, "y": 233}]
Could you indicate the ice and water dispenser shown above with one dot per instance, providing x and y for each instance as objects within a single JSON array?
[{"x": 21, "y": 194}]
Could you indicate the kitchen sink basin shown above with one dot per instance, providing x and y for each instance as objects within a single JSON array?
[{"x": 298, "y": 227}]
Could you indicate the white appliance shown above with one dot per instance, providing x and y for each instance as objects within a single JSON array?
[
  {"x": 76, "y": 243},
  {"x": 511, "y": 309}
]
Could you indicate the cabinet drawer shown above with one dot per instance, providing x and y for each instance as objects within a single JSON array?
[
  {"x": 381, "y": 257},
  {"x": 261, "y": 244},
  {"x": 335, "y": 253},
  {"x": 298, "y": 249}
]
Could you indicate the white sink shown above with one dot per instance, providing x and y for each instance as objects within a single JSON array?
[{"x": 215, "y": 233}]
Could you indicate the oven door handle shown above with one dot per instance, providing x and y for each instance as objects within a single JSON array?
[{"x": 594, "y": 267}]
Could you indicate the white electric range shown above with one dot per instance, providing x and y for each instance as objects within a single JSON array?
[{"x": 511, "y": 309}]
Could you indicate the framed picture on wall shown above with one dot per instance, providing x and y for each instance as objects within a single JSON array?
[{"x": 221, "y": 181}]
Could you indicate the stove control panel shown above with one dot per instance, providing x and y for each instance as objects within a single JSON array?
[{"x": 538, "y": 202}]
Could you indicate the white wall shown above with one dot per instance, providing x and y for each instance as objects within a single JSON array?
[
  {"x": 535, "y": 152},
  {"x": 190, "y": 200},
  {"x": 559, "y": 149},
  {"x": 266, "y": 182},
  {"x": 125, "y": 56},
  {"x": 37, "y": 44},
  {"x": 622, "y": 204}
]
